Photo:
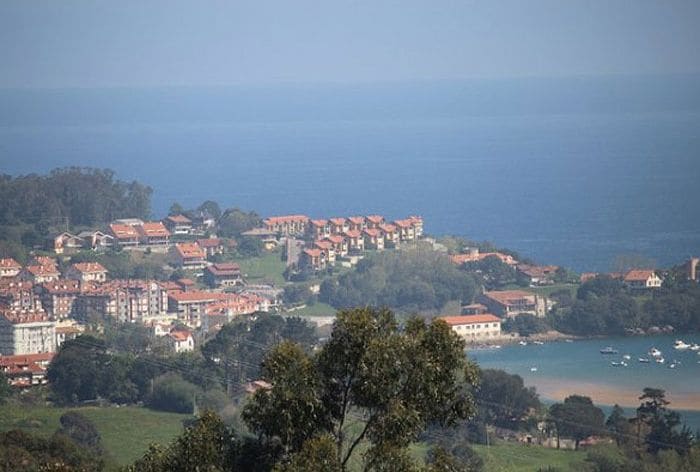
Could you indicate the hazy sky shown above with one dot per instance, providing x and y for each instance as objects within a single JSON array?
[{"x": 57, "y": 43}]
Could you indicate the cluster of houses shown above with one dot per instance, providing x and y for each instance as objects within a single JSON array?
[
  {"x": 42, "y": 306},
  {"x": 634, "y": 279},
  {"x": 325, "y": 241}
]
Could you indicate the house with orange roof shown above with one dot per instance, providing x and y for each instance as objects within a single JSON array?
[
  {"x": 65, "y": 243},
  {"x": 373, "y": 221},
  {"x": 313, "y": 258},
  {"x": 374, "y": 239},
  {"x": 511, "y": 303},
  {"x": 153, "y": 233},
  {"x": 356, "y": 223},
  {"x": 17, "y": 294},
  {"x": 340, "y": 244},
  {"x": 39, "y": 274},
  {"x": 58, "y": 297},
  {"x": 87, "y": 272},
  {"x": 178, "y": 224},
  {"x": 417, "y": 222},
  {"x": 125, "y": 235},
  {"x": 96, "y": 240},
  {"x": 214, "y": 246},
  {"x": 223, "y": 274},
  {"x": 473, "y": 255},
  {"x": 189, "y": 256},
  {"x": 328, "y": 248},
  {"x": 538, "y": 275},
  {"x": 191, "y": 306},
  {"x": 318, "y": 229},
  {"x": 475, "y": 328},
  {"x": 124, "y": 300},
  {"x": 9, "y": 267},
  {"x": 26, "y": 332},
  {"x": 338, "y": 225},
  {"x": 407, "y": 231},
  {"x": 180, "y": 340},
  {"x": 642, "y": 279},
  {"x": 391, "y": 235},
  {"x": 26, "y": 370},
  {"x": 288, "y": 225},
  {"x": 66, "y": 331},
  {"x": 356, "y": 242}
]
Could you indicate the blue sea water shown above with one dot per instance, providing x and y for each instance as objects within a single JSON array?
[{"x": 572, "y": 172}]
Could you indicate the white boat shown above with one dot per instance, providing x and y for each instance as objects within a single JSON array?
[
  {"x": 539, "y": 343},
  {"x": 623, "y": 364},
  {"x": 660, "y": 360},
  {"x": 695, "y": 347},
  {"x": 533, "y": 369},
  {"x": 615, "y": 364},
  {"x": 568, "y": 340},
  {"x": 672, "y": 366},
  {"x": 654, "y": 352},
  {"x": 680, "y": 345},
  {"x": 523, "y": 343},
  {"x": 627, "y": 357},
  {"x": 643, "y": 360}
]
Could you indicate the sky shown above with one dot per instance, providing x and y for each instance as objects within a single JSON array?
[{"x": 142, "y": 43}]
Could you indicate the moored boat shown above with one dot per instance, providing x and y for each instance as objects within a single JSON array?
[
  {"x": 654, "y": 352},
  {"x": 643, "y": 360},
  {"x": 608, "y": 350},
  {"x": 680, "y": 345}
]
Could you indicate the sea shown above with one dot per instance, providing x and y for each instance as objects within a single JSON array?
[
  {"x": 568, "y": 171},
  {"x": 558, "y": 369}
]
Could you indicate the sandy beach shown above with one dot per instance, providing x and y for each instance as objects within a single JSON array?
[{"x": 556, "y": 389}]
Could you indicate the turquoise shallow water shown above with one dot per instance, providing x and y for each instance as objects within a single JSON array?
[{"x": 568, "y": 367}]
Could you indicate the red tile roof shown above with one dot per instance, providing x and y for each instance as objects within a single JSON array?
[
  {"x": 190, "y": 251},
  {"x": 319, "y": 223},
  {"x": 209, "y": 242},
  {"x": 353, "y": 234},
  {"x": 28, "y": 316},
  {"x": 89, "y": 267},
  {"x": 285, "y": 219},
  {"x": 509, "y": 297},
  {"x": 356, "y": 220},
  {"x": 325, "y": 245},
  {"x": 335, "y": 239},
  {"x": 388, "y": 228},
  {"x": 180, "y": 335},
  {"x": 313, "y": 252},
  {"x": 62, "y": 286},
  {"x": 338, "y": 221},
  {"x": 639, "y": 275},
  {"x": 121, "y": 231},
  {"x": 42, "y": 270},
  {"x": 9, "y": 263},
  {"x": 469, "y": 319},
  {"x": 195, "y": 296},
  {"x": 403, "y": 223},
  {"x": 374, "y": 233},
  {"x": 224, "y": 268},
  {"x": 180, "y": 219},
  {"x": 376, "y": 219},
  {"x": 153, "y": 229}
]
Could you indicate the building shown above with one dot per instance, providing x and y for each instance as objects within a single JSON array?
[
  {"x": 356, "y": 223},
  {"x": 692, "y": 268},
  {"x": 96, "y": 240},
  {"x": 212, "y": 246},
  {"x": 407, "y": 232},
  {"x": 16, "y": 294},
  {"x": 510, "y": 303},
  {"x": 417, "y": 222},
  {"x": 65, "y": 243},
  {"x": 267, "y": 238},
  {"x": 66, "y": 331},
  {"x": 223, "y": 274},
  {"x": 26, "y": 332},
  {"x": 178, "y": 224},
  {"x": 191, "y": 307},
  {"x": 356, "y": 242},
  {"x": 642, "y": 279},
  {"x": 340, "y": 245},
  {"x": 338, "y": 225},
  {"x": 58, "y": 297},
  {"x": 87, "y": 272},
  {"x": 318, "y": 229},
  {"x": 26, "y": 370},
  {"x": 123, "y": 300},
  {"x": 327, "y": 248},
  {"x": 475, "y": 328},
  {"x": 374, "y": 221},
  {"x": 538, "y": 275},
  {"x": 313, "y": 258},
  {"x": 125, "y": 235},
  {"x": 9, "y": 267},
  {"x": 374, "y": 239},
  {"x": 202, "y": 221},
  {"x": 180, "y": 340},
  {"x": 153, "y": 233},
  {"x": 39, "y": 274},
  {"x": 473, "y": 255},
  {"x": 189, "y": 256},
  {"x": 391, "y": 235},
  {"x": 289, "y": 225},
  {"x": 475, "y": 309}
]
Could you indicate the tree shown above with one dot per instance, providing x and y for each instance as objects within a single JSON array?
[
  {"x": 619, "y": 425},
  {"x": 233, "y": 222},
  {"x": 390, "y": 381},
  {"x": 662, "y": 424},
  {"x": 317, "y": 454},
  {"x": 74, "y": 373},
  {"x": 577, "y": 418},
  {"x": 176, "y": 209},
  {"x": 5, "y": 388},
  {"x": 503, "y": 398},
  {"x": 172, "y": 393},
  {"x": 81, "y": 430},
  {"x": 210, "y": 207},
  {"x": 249, "y": 247}
]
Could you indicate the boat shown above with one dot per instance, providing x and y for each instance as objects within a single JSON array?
[
  {"x": 533, "y": 369},
  {"x": 568, "y": 340},
  {"x": 680, "y": 345},
  {"x": 654, "y": 352},
  {"x": 695, "y": 347},
  {"x": 660, "y": 360},
  {"x": 643, "y": 360},
  {"x": 608, "y": 350},
  {"x": 615, "y": 364},
  {"x": 627, "y": 357},
  {"x": 523, "y": 343},
  {"x": 539, "y": 343},
  {"x": 672, "y": 366}
]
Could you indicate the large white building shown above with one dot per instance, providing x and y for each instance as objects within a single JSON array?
[
  {"x": 26, "y": 332},
  {"x": 475, "y": 328}
]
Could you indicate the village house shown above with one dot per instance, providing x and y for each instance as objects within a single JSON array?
[
  {"x": 96, "y": 240},
  {"x": 58, "y": 297},
  {"x": 66, "y": 331},
  {"x": 338, "y": 225},
  {"x": 180, "y": 340},
  {"x": 26, "y": 370},
  {"x": 125, "y": 235},
  {"x": 327, "y": 248},
  {"x": 9, "y": 267},
  {"x": 313, "y": 258},
  {"x": 65, "y": 243},
  {"x": 391, "y": 235},
  {"x": 178, "y": 224},
  {"x": 202, "y": 221},
  {"x": 123, "y": 300},
  {"x": 318, "y": 229},
  {"x": 374, "y": 221},
  {"x": 475, "y": 309},
  {"x": 153, "y": 233},
  {"x": 189, "y": 256},
  {"x": 340, "y": 245},
  {"x": 191, "y": 307},
  {"x": 586, "y": 276},
  {"x": 642, "y": 279},
  {"x": 223, "y": 274},
  {"x": 475, "y": 328},
  {"x": 212, "y": 246},
  {"x": 87, "y": 272},
  {"x": 16, "y": 294},
  {"x": 26, "y": 332},
  {"x": 473, "y": 255},
  {"x": 356, "y": 223},
  {"x": 417, "y": 222},
  {"x": 290, "y": 225},
  {"x": 407, "y": 232},
  {"x": 266, "y": 237},
  {"x": 39, "y": 274},
  {"x": 374, "y": 239},
  {"x": 691, "y": 267},
  {"x": 538, "y": 275},
  {"x": 356, "y": 243},
  {"x": 511, "y": 303}
]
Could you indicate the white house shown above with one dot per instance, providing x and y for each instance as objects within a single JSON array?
[{"x": 475, "y": 328}]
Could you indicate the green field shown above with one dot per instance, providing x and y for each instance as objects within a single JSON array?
[
  {"x": 268, "y": 268},
  {"x": 521, "y": 458},
  {"x": 126, "y": 432}
]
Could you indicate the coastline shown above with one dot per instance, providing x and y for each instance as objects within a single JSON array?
[{"x": 557, "y": 390}]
